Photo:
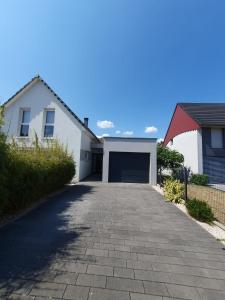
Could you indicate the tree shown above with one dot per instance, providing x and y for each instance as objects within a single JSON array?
[
  {"x": 1, "y": 115},
  {"x": 168, "y": 159}
]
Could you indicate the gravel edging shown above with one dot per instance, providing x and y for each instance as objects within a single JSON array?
[
  {"x": 217, "y": 230},
  {"x": 11, "y": 218}
]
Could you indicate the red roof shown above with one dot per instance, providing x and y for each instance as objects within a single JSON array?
[{"x": 181, "y": 122}]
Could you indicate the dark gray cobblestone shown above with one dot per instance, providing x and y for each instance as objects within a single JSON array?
[{"x": 109, "y": 242}]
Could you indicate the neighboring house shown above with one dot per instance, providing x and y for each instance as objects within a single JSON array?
[
  {"x": 197, "y": 130},
  {"x": 37, "y": 110}
]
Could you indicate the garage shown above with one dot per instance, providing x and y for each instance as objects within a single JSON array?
[
  {"x": 129, "y": 160},
  {"x": 129, "y": 167}
]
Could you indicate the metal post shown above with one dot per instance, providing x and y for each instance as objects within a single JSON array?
[{"x": 185, "y": 184}]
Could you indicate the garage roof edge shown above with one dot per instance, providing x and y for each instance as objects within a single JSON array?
[{"x": 130, "y": 139}]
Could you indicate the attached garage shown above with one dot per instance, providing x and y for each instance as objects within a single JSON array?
[
  {"x": 129, "y": 160},
  {"x": 129, "y": 167}
]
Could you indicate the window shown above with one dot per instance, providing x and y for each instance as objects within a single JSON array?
[
  {"x": 217, "y": 138},
  {"x": 49, "y": 123},
  {"x": 24, "y": 128}
]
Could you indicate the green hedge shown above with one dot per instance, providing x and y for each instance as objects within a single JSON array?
[
  {"x": 27, "y": 174},
  {"x": 199, "y": 179},
  {"x": 200, "y": 210}
]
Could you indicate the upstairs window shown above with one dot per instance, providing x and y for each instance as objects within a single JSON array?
[
  {"x": 217, "y": 138},
  {"x": 49, "y": 123},
  {"x": 24, "y": 127}
]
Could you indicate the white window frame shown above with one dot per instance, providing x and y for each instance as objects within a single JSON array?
[
  {"x": 48, "y": 124},
  {"x": 21, "y": 123},
  {"x": 216, "y": 134}
]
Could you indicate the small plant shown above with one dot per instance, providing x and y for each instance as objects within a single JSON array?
[
  {"x": 200, "y": 210},
  {"x": 173, "y": 190},
  {"x": 199, "y": 179}
]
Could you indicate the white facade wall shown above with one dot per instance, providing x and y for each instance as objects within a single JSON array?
[
  {"x": 190, "y": 145},
  {"x": 85, "y": 164},
  {"x": 67, "y": 129},
  {"x": 132, "y": 145}
]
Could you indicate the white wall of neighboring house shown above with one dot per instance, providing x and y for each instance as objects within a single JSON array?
[
  {"x": 190, "y": 145},
  {"x": 67, "y": 129}
]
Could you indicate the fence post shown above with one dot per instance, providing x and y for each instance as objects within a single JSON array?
[{"x": 185, "y": 184}]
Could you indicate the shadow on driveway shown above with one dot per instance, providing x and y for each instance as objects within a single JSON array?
[{"x": 29, "y": 245}]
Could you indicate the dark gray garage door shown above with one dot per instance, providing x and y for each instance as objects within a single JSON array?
[{"x": 129, "y": 167}]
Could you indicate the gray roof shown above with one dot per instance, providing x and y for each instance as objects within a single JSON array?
[
  {"x": 206, "y": 114},
  {"x": 58, "y": 98}
]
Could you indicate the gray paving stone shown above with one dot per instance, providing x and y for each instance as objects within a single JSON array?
[
  {"x": 17, "y": 286},
  {"x": 155, "y": 288},
  {"x": 20, "y": 297},
  {"x": 70, "y": 267},
  {"x": 100, "y": 270},
  {"x": 122, "y": 248},
  {"x": 104, "y": 246},
  {"x": 135, "y": 296},
  {"x": 140, "y": 265},
  {"x": 106, "y": 294},
  {"x": 111, "y": 261},
  {"x": 91, "y": 280},
  {"x": 76, "y": 292},
  {"x": 125, "y": 284},
  {"x": 211, "y": 294},
  {"x": 180, "y": 291},
  {"x": 97, "y": 252},
  {"x": 48, "y": 289},
  {"x": 58, "y": 277},
  {"x": 123, "y": 254},
  {"x": 124, "y": 273},
  {"x": 152, "y": 276}
]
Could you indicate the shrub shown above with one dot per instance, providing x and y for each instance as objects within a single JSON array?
[
  {"x": 200, "y": 210},
  {"x": 173, "y": 190},
  {"x": 3, "y": 171},
  {"x": 34, "y": 172},
  {"x": 199, "y": 179}
]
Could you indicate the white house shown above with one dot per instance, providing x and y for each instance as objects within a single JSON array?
[
  {"x": 197, "y": 130},
  {"x": 37, "y": 110}
]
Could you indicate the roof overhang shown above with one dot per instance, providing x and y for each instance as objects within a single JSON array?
[{"x": 181, "y": 122}]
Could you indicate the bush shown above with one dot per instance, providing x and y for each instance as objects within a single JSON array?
[
  {"x": 33, "y": 173},
  {"x": 199, "y": 179},
  {"x": 200, "y": 210},
  {"x": 173, "y": 190},
  {"x": 3, "y": 171}
]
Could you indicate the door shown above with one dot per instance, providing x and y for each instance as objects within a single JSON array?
[{"x": 129, "y": 167}]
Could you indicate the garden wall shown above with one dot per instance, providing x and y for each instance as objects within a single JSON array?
[{"x": 215, "y": 198}]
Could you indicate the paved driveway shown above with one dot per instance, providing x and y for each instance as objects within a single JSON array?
[{"x": 109, "y": 241}]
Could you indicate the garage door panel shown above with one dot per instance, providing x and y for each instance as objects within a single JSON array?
[{"x": 129, "y": 167}]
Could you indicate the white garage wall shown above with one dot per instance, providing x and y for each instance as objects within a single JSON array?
[
  {"x": 190, "y": 145},
  {"x": 130, "y": 145}
]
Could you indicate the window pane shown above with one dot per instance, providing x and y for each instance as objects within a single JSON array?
[
  {"x": 24, "y": 130},
  {"x": 49, "y": 129},
  {"x": 26, "y": 117},
  {"x": 50, "y": 117},
  {"x": 216, "y": 138}
]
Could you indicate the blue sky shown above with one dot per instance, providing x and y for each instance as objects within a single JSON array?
[{"x": 124, "y": 61}]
